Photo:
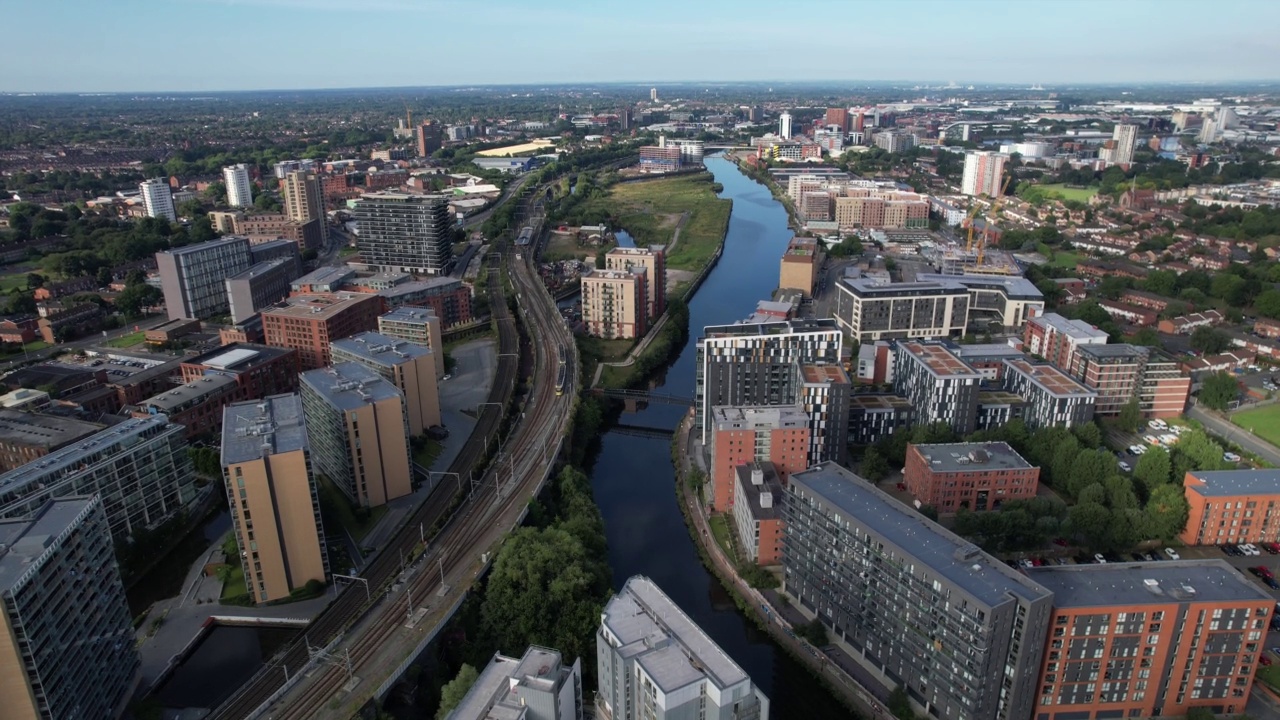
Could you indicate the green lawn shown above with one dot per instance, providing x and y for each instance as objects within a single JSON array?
[
  {"x": 235, "y": 587},
  {"x": 724, "y": 538},
  {"x": 335, "y": 507},
  {"x": 348, "y": 251},
  {"x": 16, "y": 281},
  {"x": 1059, "y": 258},
  {"x": 427, "y": 452},
  {"x": 129, "y": 340},
  {"x": 651, "y": 210},
  {"x": 1071, "y": 193},
  {"x": 1263, "y": 422}
]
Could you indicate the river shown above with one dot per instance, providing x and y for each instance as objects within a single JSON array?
[{"x": 634, "y": 480}]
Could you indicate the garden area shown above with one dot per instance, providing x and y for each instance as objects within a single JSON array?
[
  {"x": 337, "y": 512},
  {"x": 1065, "y": 192},
  {"x": 125, "y": 341}
]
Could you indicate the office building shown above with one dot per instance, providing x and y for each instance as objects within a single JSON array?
[
  {"x": 824, "y": 396},
  {"x": 417, "y": 325},
  {"x": 267, "y": 471},
  {"x": 652, "y": 260},
  {"x": 1056, "y": 339},
  {"x": 743, "y": 435},
  {"x": 757, "y": 512},
  {"x": 614, "y": 303},
  {"x": 261, "y": 285},
  {"x": 660, "y": 159},
  {"x": 1232, "y": 506},
  {"x": 784, "y": 125},
  {"x": 358, "y": 432},
  {"x": 1054, "y": 399},
  {"x": 239, "y": 190},
  {"x": 157, "y": 199},
  {"x": 1009, "y": 300},
  {"x": 653, "y": 661},
  {"x": 940, "y": 386},
  {"x": 411, "y": 368},
  {"x": 1150, "y": 640},
  {"x": 983, "y": 173},
  {"x": 405, "y": 233},
  {"x": 537, "y": 686},
  {"x": 798, "y": 269},
  {"x": 194, "y": 277},
  {"x": 67, "y": 646},
  {"x": 140, "y": 467},
  {"x": 869, "y": 310},
  {"x": 969, "y": 476},
  {"x": 911, "y": 603},
  {"x": 26, "y": 436},
  {"x": 309, "y": 323}
]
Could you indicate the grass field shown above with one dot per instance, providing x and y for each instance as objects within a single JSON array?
[
  {"x": 724, "y": 538},
  {"x": 651, "y": 210},
  {"x": 427, "y": 452},
  {"x": 335, "y": 507},
  {"x": 1059, "y": 258},
  {"x": 1263, "y": 422},
  {"x": 1071, "y": 193},
  {"x": 129, "y": 340},
  {"x": 16, "y": 281},
  {"x": 235, "y": 587}
]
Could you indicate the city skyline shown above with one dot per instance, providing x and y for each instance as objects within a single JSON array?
[{"x": 579, "y": 43}]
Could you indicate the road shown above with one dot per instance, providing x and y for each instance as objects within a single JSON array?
[
  {"x": 84, "y": 343},
  {"x": 1217, "y": 425}
]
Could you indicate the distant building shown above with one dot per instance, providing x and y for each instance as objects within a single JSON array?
[
  {"x": 25, "y": 436},
  {"x": 1119, "y": 151},
  {"x": 70, "y": 323},
  {"x": 757, "y": 512},
  {"x": 614, "y": 303},
  {"x": 450, "y": 298},
  {"x": 405, "y": 233},
  {"x": 239, "y": 189},
  {"x": 778, "y": 435},
  {"x": 417, "y": 325},
  {"x": 659, "y": 159},
  {"x": 940, "y": 386},
  {"x": 537, "y": 686},
  {"x": 157, "y": 199},
  {"x": 969, "y": 476},
  {"x": 784, "y": 125},
  {"x": 411, "y": 368},
  {"x": 429, "y": 137},
  {"x": 983, "y": 173},
  {"x": 894, "y": 142},
  {"x": 838, "y": 117},
  {"x": 261, "y": 285},
  {"x": 653, "y": 661},
  {"x": 193, "y": 277},
  {"x": 69, "y": 649},
  {"x": 310, "y": 323},
  {"x": 304, "y": 201},
  {"x": 267, "y": 472},
  {"x": 653, "y": 261}
]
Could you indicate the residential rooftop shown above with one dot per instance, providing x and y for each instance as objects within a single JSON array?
[
  {"x": 378, "y": 349},
  {"x": 423, "y": 285},
  {"x": 824, "y": 374},
  {"x": 1117, "y": 350},
  {"x": 1050, "y": 379},
  {"x": 261, "y": 268},
  {"x": 1228, "y": 483},
  {"x": 872, "y": 402},
  {"x": 986, "y": 351},
  {"x": 1012, "y": 286},
  {"x": 493, "y": 696},
  {"x": 871, "y": 287},
  {"x": 1077, "y": 329},
  {"x": 329, "y": 276},
  {"x": 781, "y": 327},
  {"x": 197, "y": 389},
  {"x": 1148, "y": 583},
  {"x": 237, "y": 357},
  {"x": 257, "y": 428},
  {"x": 1000, "y": 397},
  {"x": 971, "y": 457},
  {"x": 207, "y": 245},
  {"x": 938, "y": 358},
  {"x": 409, "y": 314},
  {"x": 47, "y": 431},
  {"x": 730, "y": 417},
  {"x": 752, "y": 494},
  {"x": 349, "y": 385},
  {"x": 24, "y": 541},
  {"x": 316, "y": 305},
  {"x": 125, "y": 434}
]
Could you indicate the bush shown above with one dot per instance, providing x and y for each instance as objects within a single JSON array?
[{"x": 815, "y": 632}]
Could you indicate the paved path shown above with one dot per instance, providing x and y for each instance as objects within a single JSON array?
[{"x": 1219, "y": 426}]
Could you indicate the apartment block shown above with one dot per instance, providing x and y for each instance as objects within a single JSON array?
[
  {"x": 261, "y": 285},
  {"x": 940, "y": 386},
  {"x": 405, "y": 232},
  {"x": 26, "y": 436},
  {"x": 304, "y": 200},
  {"x": 263, "y": 228},
  {"x": 824, "y": 396},
  {"x": 420, "y": 326},
  {"x": 536, "y": 686},
  {"x": 799, "y": 265},
  {"x": 157, "y": 199},
  {"x": 411, "y": 368},
  {"x": 875, "y": 417},
  {"x": 983, "y": 173},
  {"x": 815, "y": 206},
  {"x": 258, "y": 370},
  {"x": 989, "y": 358},
  {"x": 614, "y": 303},
  {"x": 657, "y": 159},
  {"x": 1054, "y": 399},
  {"x": 1056, "y": 339},
  {"x": 267, "y": 470},
  {"x": 450, "y": 298},
  {"x": 744, "y": 435},
  {"x": 870, "y": 310},
  {"x": 239, "y": 190},
  {"x": 1150, "y": 640},
  {"x": 755, "y": 364},
  {"x": 972, "y": 476},
  {"x": 1008, "y": 300},
  {"x": 196, "y": 406},
  {"x": 1232, "y": 506},
  {"x": 140, "y": 468},
  {"x": 1165, "y": 387},
  {"x": 193, "y": 277},
  {"x": 757, "y": 512},
  {"x": 1113, "y": 371},
  {"x": 358, "y": 432},
  {"x": 653, "y": 661},
  {"x": 67, "y": 646},
  {"x": 309, "y": 323},
  {"x": 911, "y": 603},
  {"x": 653, "y": 262}
]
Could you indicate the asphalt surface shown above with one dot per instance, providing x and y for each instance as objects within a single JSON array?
[{"x": 1217, "y": 425}]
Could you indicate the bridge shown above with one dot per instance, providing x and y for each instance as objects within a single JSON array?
[
  {"x": 644, "y": 431},
  {"x": 724, "y": 146},
  {"x": 645, "y": 396}
]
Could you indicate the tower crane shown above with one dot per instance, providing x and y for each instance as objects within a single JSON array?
[{"x": 991, "y": 214}]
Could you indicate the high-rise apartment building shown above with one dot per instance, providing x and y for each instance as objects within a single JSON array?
[
  {"x": 358, "y": 432},
  {"x": 239, "y": 190},
  {"x": 838, "y": 117},
  {"x": 1125, "y": 138},
  {"x": 1232, "y": 506},
  {"x": 911, "y": 603},
  {"x": 798, "y": 268},
  {"x": 757, "y": 512},
  {"x": 429, "y": 137},
  {"x": 824, "y": 392},
  {"x": 871, "y": 310},
  {"x": 652, "y": 260},
  {"x": 303, "y": 199},
  {"x": 157, "y": 199},
  {"x": 405, "y": 233},
  {"x": 310, "y": 323},
  {"x": 261, "y": 285},
  {"x": 614, "y": 303},
  {"x": 1121, "y": 373},
  {"x": 743, "y": 435},
  {"x": 409, "y": 367},
  {"x": 194, "y": 277},
  {"x": 267, "y": 471},
  {"x": 653, "y": 661},
  {"x": 418, "y": 325},
  {"x": 970, "y": 476},
  {"x": 1054, "y": 399},
  {"x": 784, "y": 125},
  {"x": 1056, "y": 339},
  {"x": 67, "y": 648},
  {"x": 894, "y": 141},
  {"x": 140, "y": 468},
  {"x": 942, "y": 387},
  {"x": 537, "y": 686},
  {"x": 1150, "y": 640},
  {"x": 983, "y": 173}
]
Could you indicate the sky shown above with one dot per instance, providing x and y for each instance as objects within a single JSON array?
[{"x": 210, "y": 45}]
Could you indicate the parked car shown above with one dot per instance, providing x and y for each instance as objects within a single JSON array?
[
  {"x": 1271, "y": 583},
  {"x": 1264, "y": 571},
  {"x": 1125, "y": 466},
  {"x": 1136, "y": 449},
  {"x": 1173, "y": 554},
  {"x": 1230, "y": 457},
  {"x": 1098, "y": 558},
  {"x": 1157, "y": 424},
  {"x": 1264, "y": 660},
  {"x": 1249, "y": 550},
  {"x": 1257, "y": 571},
  {"x": 1271, "y": 548},
  {"x": 1151, "y": 439}
]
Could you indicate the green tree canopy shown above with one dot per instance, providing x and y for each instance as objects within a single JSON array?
[
  {"x": 1153, "y": 468},
  {"x": 455, "y": 690},
  {"x": 1219, "y": 391}
]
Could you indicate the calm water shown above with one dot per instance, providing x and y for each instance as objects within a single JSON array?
[
  {"x": 634, "y": 480},
  {"x": 166, "y": 578},
  {"x": 225, "y": 659}
]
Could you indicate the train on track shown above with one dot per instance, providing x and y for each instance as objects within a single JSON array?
[{"x": 562, "y": 374}]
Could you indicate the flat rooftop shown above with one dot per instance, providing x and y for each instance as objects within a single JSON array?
[
  {"x": 492, "y": 696},
  {"x": 318, "y": 306},
  {"x": 261, "y": 268},
  {"x": 939, "y": 550},
  {"x": 1049, "y": 379},
  {"x": 987, "y": 351},
  {"x": 1226, "y": 483},
  {"x": 1147, "y": 583},
  {"x": 1118, "y": 350},
  {"x": 870, "y": 402},
  {"x": 258, "y": 428},
  {"x": 349, "y": 385},
  {"x": 410, "y": 314},
  {"x": 781, "y": 327},
  {"x": 610, "y": 274},
  {"x": 379, "y": 349},
  {"x": 171, "y": 324},
  {"x": 1077, "y": 329},
  {"x": 972, "y": 457},
  {"x": 125, "y": 433},
  {"x": 425, "y": 284},
  {"x": 729, "y": 417},
  {"x": 196, "y": 389},
  {"x": 1000, "y": 397},
  {"x": 752, "y": 493},
  {"x": 1012, "y": 286},
  {"x": 26, "y": 540},
  {"x": 46, "y": 431},
  {"x": 823, "y": 374},
  {"x": 939, "y": 359},
  {"x": 207, "y": 245},
  {"x": 325, "y": 276},
  {"x": 868, "y": 287}
]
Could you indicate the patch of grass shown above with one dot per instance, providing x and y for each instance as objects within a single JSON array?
[
  {"x": 336, "y": 508},
  {"x": 426, "y": 451},
  {"x": 16, "y": 281},
  {"x": 1263, "y": 422},
  {"x": 1269, "y": 675},
  {"x": 347, "y": 251},
  {"x": 1070, "y": 193},
  {"x": 724, "y": 538},
  {"x": 651, "y": 210},
  {"x": 1059, "y": 258},
  {"x": 235, "y": 585},
  {"x": 129, "y": 340}
]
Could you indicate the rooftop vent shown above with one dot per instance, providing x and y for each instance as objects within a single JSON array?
[
  {"x": 979, "y": 456},
  {"x": 967, "y": 552}
]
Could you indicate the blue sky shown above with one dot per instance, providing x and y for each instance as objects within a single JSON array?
[{"x": 203, "y": 45}]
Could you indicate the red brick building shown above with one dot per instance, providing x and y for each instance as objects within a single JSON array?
[
  {"x": 1232, "y": 507},
  {"x": 973, "y": 476},
  {"x": 744, "y": 435},
  {"x": 308, "y": 323},
  {"x": 757, "y": 512},
  {"x": 1056, "y": 339}
]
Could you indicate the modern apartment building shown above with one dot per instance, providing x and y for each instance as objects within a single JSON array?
[
  {"x": 405, "y": 232},
  {"x": 67, "y": 647},
  {"x": 880, "y": 210},
  {"x": 1165, "y": 386},
  {"x": 940, "y": 386},
  {"x": 194, "y": 277},
  {"x": 1124, "y": 138},
  {"x": 798, "y": 269},
  {"x": 870, "y": 310},
  {"x": 1232, "y": 506},
  {"x": 411, "y": 368},
  {"x": 1155, "y": 639},
  {"x": 536, "y": 686},
  {"x": 653, "y": 661},
  {"x": 1008, "y": 300},
  {"x": 983, "y": 173},
  {"x": 140, "y": 468},
  {"x": 659, "y": 159},
  {"x": 450, "y": 298},
  {"x": 757, "y": 512},
  {"x": 303, "y": 199},
  {"x": 267, "y": 471},
  {"x": 824, "y": 396},
  {"x": 778, "y": 434},
  {"x": 310, "y": 323},
  {"x": 262, "y": 228},
  {"x": 755, "y": 364},
  {"x": 259, "y": 286},
  {"x": 652, "y": 260},
  {"x": 1121, "y": 373},
  {"x": 1056, "y": 339},
  {"x": 417, "y": 325},
  {"x": 972, "y": 476},
  {"x": 258, "y": 370},
  {"x": 157, "y": 199},
  {"x": 239, "y": 189},
  {"x": 874, "y": 417},
  {"x": 1054, "y": 399},
  {"x": 911, "y": 603},
  {"x": 358, "y": 432},
  {"x": 614, "y": 303},
  {"x": 26, "y": 437}
]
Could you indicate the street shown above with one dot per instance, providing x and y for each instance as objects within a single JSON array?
[{"x": 1215, "y": 424}]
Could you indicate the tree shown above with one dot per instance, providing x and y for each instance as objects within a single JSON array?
[
  {"x": 134, "y": 298},
  {"x": 874, "y": 465},
  {"x": 1268, "y": 303},
  {"x": 1146, "y": 336},
  {"x": 1153, "y": 468},
  {"x": 1089, "y": 434},
  {"x": 1210, "y": 341},
  {"x": 456, "y": 689},
  {"x": 1091, "y": 524},
  {"x": 815, "y": 632},
  {"x": 1162, "y": 282},
  {"x": 1130, "y": 417},
  {"x": 1167, "y": 510},
  {"x": 34, "y": 281},
  {"x": 1219, "y": 390},
  {"x": 900, "y": 705},
  {"x": 104, "y": 277}
]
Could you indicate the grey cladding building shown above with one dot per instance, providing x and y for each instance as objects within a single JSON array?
[{"x": 405, "y": 232}]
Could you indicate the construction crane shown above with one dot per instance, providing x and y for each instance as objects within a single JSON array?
[
  {"x": 991, "y": 214},
  {"x": 968, "y": 247},
  {"x": 408, "y": 114}
]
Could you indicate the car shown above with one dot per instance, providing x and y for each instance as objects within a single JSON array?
[
  {"x": 1271, "y": 548},
  {"x": 1064, "y": 561},
  {"x": 1061, "y": 542},
  {"x": 1230, "y": 457},
  {"x": 1264, "y": 571},
  {"x": 1178, "y": 429},
  {"x": 1151, "y": 440},
  {"x": 1169, "y": 439},
  {"x": 1125, "y": 466},
  {"x": 902, "y": 487},
  {"x": 1276, "y": 649},
  {"x": 1136, "y": 449},
  {"x": 447, "y": 376},
  {"x": 1173, "y": 554},
  {"x": 1157, "y": 425},
  {"x": 1098, "y": 558},
  {"x": 1229, "y": 549},
  {"x": 1138, "y": 556},
  {"x": 1249, "y": 550},
  {"x": 1257, "y": 571},
  {"x": 1152, "y": 556},
  {"x": 1264, "y": 660},
  {"x": 1026, "y": 563}
]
